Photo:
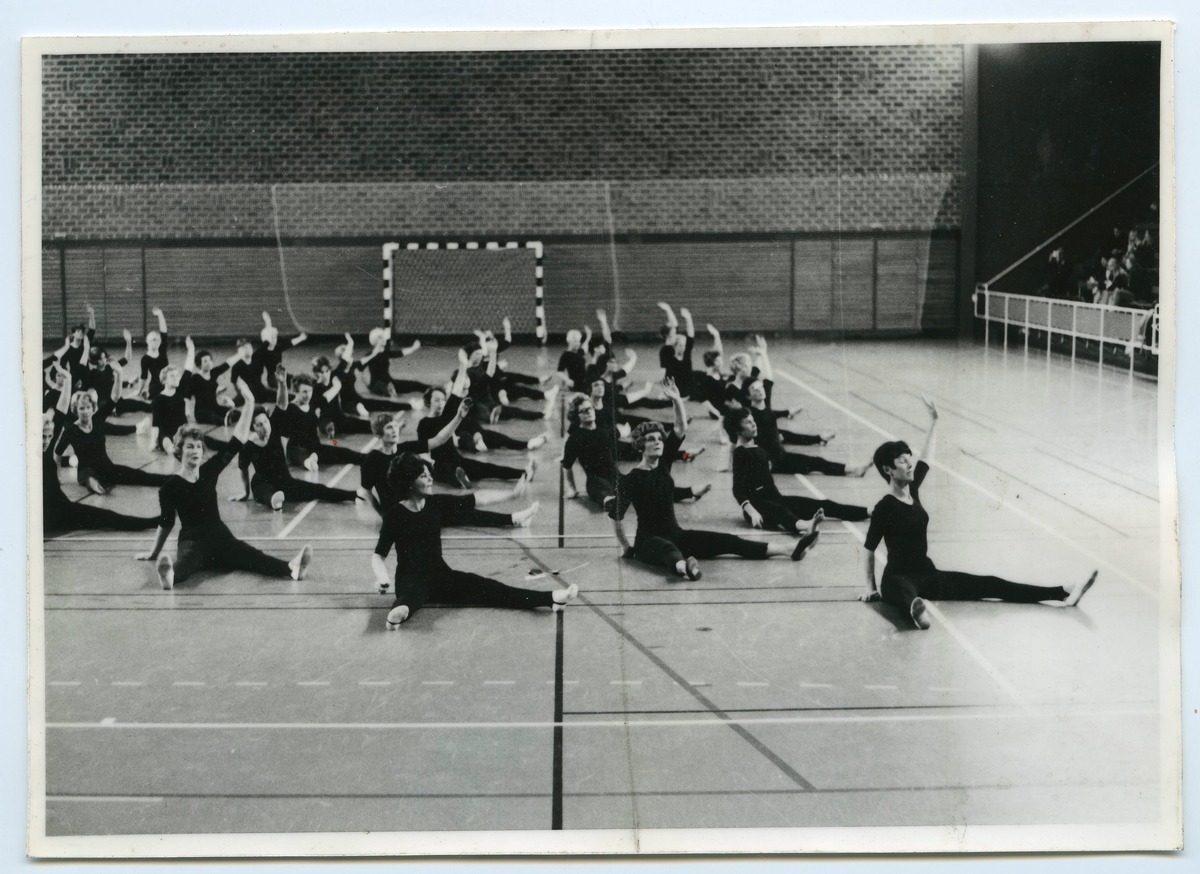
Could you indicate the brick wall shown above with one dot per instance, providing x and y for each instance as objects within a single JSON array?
[{"x": 705, "y": 152}]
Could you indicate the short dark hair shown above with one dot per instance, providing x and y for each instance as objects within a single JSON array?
[
  {"x": 427, "y": 395},
  {"x": 259, "y": 410},
  {"x": 403, "y": 472},
  {"x": 644, "y": 430},
  {"x": 320, "y": 363},
  {"x": 710, "y": 358},
  {"x": 202, "y": 354},
  {"x": 242, "y": 341},
  {"x": 302, "y": 379},
  {"x": 887, "y": 453},
  {"x": 733, "y": 422}
]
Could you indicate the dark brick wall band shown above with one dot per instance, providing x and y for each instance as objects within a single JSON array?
[{"x": 834, "y": 285}]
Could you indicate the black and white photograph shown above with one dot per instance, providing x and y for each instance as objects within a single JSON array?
[{"x": 624, "y": 442}]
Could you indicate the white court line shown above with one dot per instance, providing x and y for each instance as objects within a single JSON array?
[
  {"x": 188, "y": 683},
  {"x": 126, "y": 683},
  {"x": 374, "y": 682},
  {"x": 120, "y": 799},
  {"x": 499, "y": 682},
  {"x": 307, "y": 508},
  {"x": 991, "y": 496},
  {"x": 816, "y": 685},
  {"x": 437, "y": 682},
  {"x": 65, "y": 683},
  {"x": 1083, "y": 711},
  {"x": 624, "y": 682},
  {"x": 880, "y": 687},
  {"x": 312, "y": 683},
  {"x": 108, "y": 720},
  {"x": 748, "y": 683},
  {"x": 990, "y": 669},
  {"x": 365, "y": 537},
  {"x": 249, "y": 683}
]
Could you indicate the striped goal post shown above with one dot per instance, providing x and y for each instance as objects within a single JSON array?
[{"x": 389, "y": 261}]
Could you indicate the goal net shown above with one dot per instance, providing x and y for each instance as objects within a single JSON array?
[{"x": 454, "y": 288}]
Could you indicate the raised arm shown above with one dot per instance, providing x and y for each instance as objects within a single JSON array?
[
  {"x": 630, "y": 361},
  {"x": 348, "y": 349},
  {"x": 162, "y": 320},
  {"x": 716, "y": 339},
  {"x": 587, "y": 340},
  {"x": 672, "y": 322},
  {"x": 409, "y": 350},
  {"x": 189, "y": 362},
  {"x": 128, "y": 345},
  {"x": 281, "y": 392},
  {"x": 689, "y": 325},
  {"x": 115, "y": 395},
  {"x": 605, "y": 330},
  {"x": 672, "y": 391},
  {"x": 299, "y": 338},
  {"x": 91, "y": 328},
  {"x": 491, "y": 349},
  {"x": 764, "y": 360},
  {"x": 926, "y": 452},
  {"x": 241, "y": 431},
  {"x": 450, "y": 427},
  {"x": 506, "y": 324},
  {"x": 64, "y": 396}
]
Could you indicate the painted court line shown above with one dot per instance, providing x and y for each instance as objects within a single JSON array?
[
  {"x": 65, "y": 683},
  {"x": 374, "y": 682},
  {"x": 108, "y": 720},
  {"x": 118, "y": 799},
  {"x": 816, "y": 685},
  {"x": 127, "y": 682},
  {"x": 866, "y": 686},
  {"x": 750, "y": 683},
  {"x": 307, "y": 508},
  {"x": 249, "y": 683},
  {"x": 187, "y": 683},
  {"x": 991, "y": 496},
  {"x": 499, "y": 682},
  {"x": 713, "y": 721},
  {"x": 624, "y": 682},
  {"x": 437, "y": 682},
  {"x": 312, "y": 683}
]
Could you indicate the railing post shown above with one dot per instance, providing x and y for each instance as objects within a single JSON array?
[
  {"x": 1005, "y": 299},
  {"x": 1102, "y": 311},
  {"x": 1074, "y": 328},
  {"x": 1027, "y": 329}
]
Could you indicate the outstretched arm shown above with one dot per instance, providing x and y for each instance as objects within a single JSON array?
[
  {"x": 689, "y": 325},
  {"x": 672, "y": 391},
  {"x": 460, "y": 377},
  {"x": 128, "y": 345},
  {"x": 335, "y": 386},
  {"x": 630, "y": 361},
  {"x": 64, "y": 396},
  {"x": 927, "y": 449},
  {"x": 409, "y": 350},
  {"x": 299, "y": 338},
  {"x": 91, "y": 311},
  {"x": 162, "y": 320},
  {"x": 117, "y": 388},
  {"x": 587, "y": 340},
  {"x": 619, "y": 530},
  {"x": 672, "y": 322},
  {"x": 605, "y": 330},
  {"x": 348, "y": 349},
  {"x": 491, "y": 348},
  {"x": 450, "y": 427},
  {"x": 506, "y": 324}
]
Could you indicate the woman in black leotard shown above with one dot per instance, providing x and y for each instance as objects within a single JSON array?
[
  {"x": 651, "y": 491},
  {"x": 191, "y": 494},
  {"x": 346, "y": 371},
  {"x": 900, "y": 522},
  {"x": 169, "y": 408},
  {"x": 598, "y": 450},
  {"x": 60, "y": 513},
  {"x": 756, "y": 493},
  {"x": 273, "y": 483},
  {"x": 379, "y": 363},
  {"x": 373, "y": 470},
  {"x": 85, "y": 436},
  {"x": 328, "y": 389},
  {"x": 414, "y": 526},
  {"x": 154, "y": 360},
  {"x": 207, "y": 408},
  {"x": 302, "y": 417},
  {"x": 449, "y": 465}
]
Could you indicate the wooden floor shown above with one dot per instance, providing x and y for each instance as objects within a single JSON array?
[{"x": 763, "y": 695}]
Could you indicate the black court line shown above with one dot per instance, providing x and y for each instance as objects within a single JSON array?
[
  {"x": 1052, "y": 497},
  {"x": 762, "y": 748},
  {"x": 1096, "y": 475},
  {"x": 562, "y": 476},
  {"x": 556, "y": 779}
]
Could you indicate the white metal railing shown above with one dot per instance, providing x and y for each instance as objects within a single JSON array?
[{"x": 1117, "y": 326}]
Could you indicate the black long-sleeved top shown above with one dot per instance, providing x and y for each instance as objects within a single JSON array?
[
  {"x": 196, "y": 503},
  {"x": 269, "y": 460},
  {"x": 418, "y": 536},
  {"x": 752, "y": 474},
  {"x": 903, "y": 528},
  {"x": 431, "y": 426},
  {"x": 653, "y": 494},
  {"x": 204, "y": 390}
]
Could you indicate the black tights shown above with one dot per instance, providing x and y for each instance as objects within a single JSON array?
[
  {"x": 402, "y": 386},
  {"x": 794, "y": 462},
  {"x": 901, "y": 588},
  {"x": 326, "y": 454},
  {"x": 784, "y": 511},
  {"x": 794, "y": 439},
  {"x": 227, "y": 552},
  {"x": 118, "y": 474},
  {"x": 460, "y": 588},
  {"x": 443, "y": 471},
  {"x": 508, "y": 411},
  {"x": 68, "y": 516},
  {"x": 297, "y": 490},
  {"x": 211, "y": 415},
  {"x": 378, "y": 405},
  {"x": 667, "y": 553}
]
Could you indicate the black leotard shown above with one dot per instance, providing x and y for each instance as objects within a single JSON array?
[
  {"x": 652, "y": 493},
  {"x": 903, "y": 528},
  {"x": 196, "y": 502}
]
